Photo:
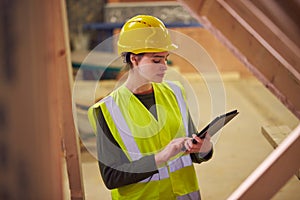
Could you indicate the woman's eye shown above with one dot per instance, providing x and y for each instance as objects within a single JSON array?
[
  {"x": 156, "y": 61},
  {"x": 160, "y": 61}
]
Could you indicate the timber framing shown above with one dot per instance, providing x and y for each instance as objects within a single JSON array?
[
  {"x": 270, "y": 52},
  {"x": 268, "y": 45}
]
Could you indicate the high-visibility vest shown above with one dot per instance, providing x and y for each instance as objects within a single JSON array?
[{"x": 139, "y": 133}]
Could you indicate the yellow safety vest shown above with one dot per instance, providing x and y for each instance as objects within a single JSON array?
[{"x": 139, "y": 133}]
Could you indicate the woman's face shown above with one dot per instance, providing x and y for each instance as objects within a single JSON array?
[{"x": 153, "y": 66}]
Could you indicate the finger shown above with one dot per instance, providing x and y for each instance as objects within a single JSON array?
[
  {"x": 195, "y": 147},
  {"x": 179, "y": 143},
  {"x": 194, "y": 136},
  {"x": 199, "y": 140},
  {"x": 188, "y": 144}
]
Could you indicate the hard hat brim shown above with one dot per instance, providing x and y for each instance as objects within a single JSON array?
[{"x": 171, "y": 47}]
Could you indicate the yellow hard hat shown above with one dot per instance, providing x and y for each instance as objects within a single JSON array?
[{"x": 144, "y": 33}]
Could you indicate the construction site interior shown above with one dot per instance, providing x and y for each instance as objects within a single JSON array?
[{"x": 59, "y": 57}]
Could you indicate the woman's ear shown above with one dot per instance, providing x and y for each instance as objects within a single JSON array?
[{"x": 133, "y": 59}]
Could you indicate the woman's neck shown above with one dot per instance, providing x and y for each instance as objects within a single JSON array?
[
  {"x": 139, "y": 89},
  {"x": 137, "y": 85}
]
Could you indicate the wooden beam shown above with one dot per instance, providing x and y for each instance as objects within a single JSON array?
[
  {"x": 284, "y": 14},
  {"x": 247, "y": 36},
  {"x": 64, "y": 108},
  {"x": 267, "y": 33},
  {"x": 35, "y": 102},
  {"x": 275, "y": 135},
  {"x": 30, "y": 142},
  {"x": 265, "y": 181}
]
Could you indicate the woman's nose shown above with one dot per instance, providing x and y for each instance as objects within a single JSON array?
[{"x": 164, "y": 67}]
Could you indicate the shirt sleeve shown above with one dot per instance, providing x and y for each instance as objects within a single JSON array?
[{"x": 115, "y": 168}]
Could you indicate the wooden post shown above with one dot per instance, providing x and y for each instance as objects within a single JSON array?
[
  {"x": 35, "y": 103},
  {"x": 30, "y": 147},
  {"x": 69, "y": 134}
]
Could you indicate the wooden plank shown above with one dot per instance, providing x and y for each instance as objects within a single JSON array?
[
  {"x": 268, "y": 34},
  {"x": 30, "y": 143},
  {"x": 275, "y": 135},
  {"x": 64, "y": 109},
  {"x": 269, "y": 177},
  {"x": 284, "y": 14}
]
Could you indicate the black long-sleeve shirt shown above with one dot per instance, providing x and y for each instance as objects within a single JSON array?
[{"x": 115, "y": 168}]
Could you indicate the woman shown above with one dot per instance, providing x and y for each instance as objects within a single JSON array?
[{"x": 144, "y": 129}]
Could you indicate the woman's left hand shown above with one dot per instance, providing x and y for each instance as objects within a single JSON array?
[{"x": 203, "y": 145}]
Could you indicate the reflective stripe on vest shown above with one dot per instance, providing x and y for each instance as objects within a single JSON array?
[
  {"x": 180, "y": 162},
  {"x": 123, "y": 128},
  {"x": 130, "y": 144},
  {"x": 174, "y": 165},
  {"x": 162, "y": 174},
  {"x": 181, "y": 103}
]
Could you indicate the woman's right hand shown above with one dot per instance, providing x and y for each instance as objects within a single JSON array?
[{"x": 172, "y": 149}]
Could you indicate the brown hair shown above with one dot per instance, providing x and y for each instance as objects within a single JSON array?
[{"x": 127, "y": 61}]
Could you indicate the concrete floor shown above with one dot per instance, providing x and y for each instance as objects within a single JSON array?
[{"x": 239, "y": 149}]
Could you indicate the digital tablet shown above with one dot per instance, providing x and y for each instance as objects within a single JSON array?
[{"x": 214, "y": 126}]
